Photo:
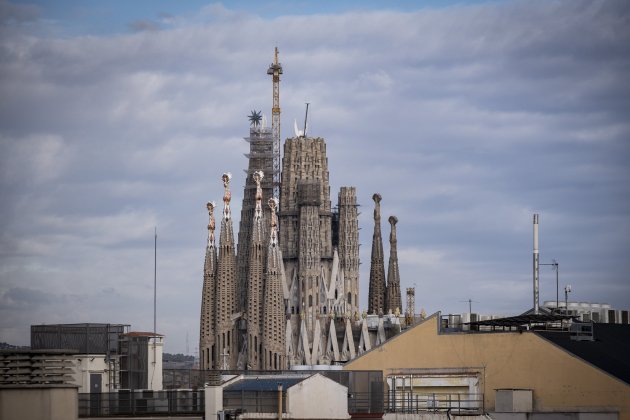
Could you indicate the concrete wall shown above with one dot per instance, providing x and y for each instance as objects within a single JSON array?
[
  {"x": 154, "y": 381},
  {"x": 429, "y": 416},
  {"x": 317, "y": 397},
  {"x": 559, "y": 380},
  {"x": 33, "y": 403},
  {"x": 85, "y": 364},
  {"x": 555, "y": 416}
]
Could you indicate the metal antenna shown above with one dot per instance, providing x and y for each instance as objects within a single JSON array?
[
  {"x": 155, "y": 284},
  {"x": 470, "y": 302},
  {"x": 305, "y": 119}
]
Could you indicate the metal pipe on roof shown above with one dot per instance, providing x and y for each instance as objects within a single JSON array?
[
  {"x": 279, "y": 400},
  {"x": 536, "y": 266}
]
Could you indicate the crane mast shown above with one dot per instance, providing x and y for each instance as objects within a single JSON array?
[{"x": 275, "y": 70}]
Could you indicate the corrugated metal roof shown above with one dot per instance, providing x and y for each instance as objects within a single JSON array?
[
  {"x": 264, "y": 384},
  {"x": 142, "y": 334}
]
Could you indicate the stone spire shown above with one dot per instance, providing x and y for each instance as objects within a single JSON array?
[
  {"x": 274, "y": 334},
  {"x": 255, "y": 281},
  {"x": 226, "y": 286},
  {"x": 394, "y": 302},
  {"x": 206, "y": 323},
  {"x": 377, "y": 291}
]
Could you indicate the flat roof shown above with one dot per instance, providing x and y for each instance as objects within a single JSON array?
[
  {"x": 519, "y": 320},
  {"x": 257, "y": 383}
]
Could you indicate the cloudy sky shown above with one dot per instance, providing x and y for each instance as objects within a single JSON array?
[{"x": 467, "y": 117}]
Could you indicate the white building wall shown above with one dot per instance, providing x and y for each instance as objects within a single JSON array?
[
  {"x": 86, "y": 364},
  {"x": 317, "y": 397},
  {"x": 154, "y": 380}
]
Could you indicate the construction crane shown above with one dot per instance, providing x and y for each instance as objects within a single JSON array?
[{"x": 275, "y": 70}]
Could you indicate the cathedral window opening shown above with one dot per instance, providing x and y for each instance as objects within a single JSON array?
[
  {"x": 349, "y": 298},
  {"x": 310, "y": 300},
  {"x": 324, "y": 310},
  {"x": 228, "y": 339}
]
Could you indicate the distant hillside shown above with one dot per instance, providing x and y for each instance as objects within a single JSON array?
[
  {"x": 7, "y": 346},
  {"x": 168, "y": 357}
]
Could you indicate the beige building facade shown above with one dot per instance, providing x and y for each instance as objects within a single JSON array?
[{"x": 484, "y": 362}]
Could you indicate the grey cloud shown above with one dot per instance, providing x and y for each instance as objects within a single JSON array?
[
  {"x": 11, "y": 12},
  {"x": 144, "y": 25},
  {"x": 466, "y": 120}
]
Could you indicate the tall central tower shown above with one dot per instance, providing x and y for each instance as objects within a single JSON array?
[
  {"x": 321, "y": 267},
  {"x": 305, "y": 222}
]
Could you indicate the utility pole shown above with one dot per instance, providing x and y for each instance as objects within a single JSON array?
[
  {"x": 470, "y": 302},
  {"x": 567, "y": 290}
]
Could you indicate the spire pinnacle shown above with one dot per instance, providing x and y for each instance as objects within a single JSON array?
[
  {"x": 227, "y": 196},
  {"x": 273, "y": 205},
  {"x": 211, "y": 225},
  {"x": 258, "y": 176}
]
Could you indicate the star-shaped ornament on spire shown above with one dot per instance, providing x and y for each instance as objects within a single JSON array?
[{"x": 255, "y": 118}]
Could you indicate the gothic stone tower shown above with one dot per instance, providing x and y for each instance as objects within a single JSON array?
[
  {"x": 394, "y": 303},
  {"x": 273, "y": 335},
  {"x": 305, "y": 222},
  {"x": 306, "y": 238},
  {"x": 348, "y": 234},
  {"x": 254, "y": 314},
  {"x": 377, "y": 292},
  {"x": 206, "y": 325},
  {"x": 225, "y": 298},
  {"x": 260, "y": 158}
]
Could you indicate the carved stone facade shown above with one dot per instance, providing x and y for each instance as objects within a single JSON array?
[
  {"x": 321, "y": 262},
  {"x": 290, "y": 295},
  {"x": 302, "y": 281}
]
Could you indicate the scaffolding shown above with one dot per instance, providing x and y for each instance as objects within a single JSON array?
[{"x": 411, "y": 305}]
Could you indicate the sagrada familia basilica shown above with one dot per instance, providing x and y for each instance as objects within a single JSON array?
[{"x": 287, "y": 293}]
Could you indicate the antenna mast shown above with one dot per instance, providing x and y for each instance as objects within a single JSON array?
[
  {"x": 305, "y": 119},
  {"x": 275, "y": 70}
]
